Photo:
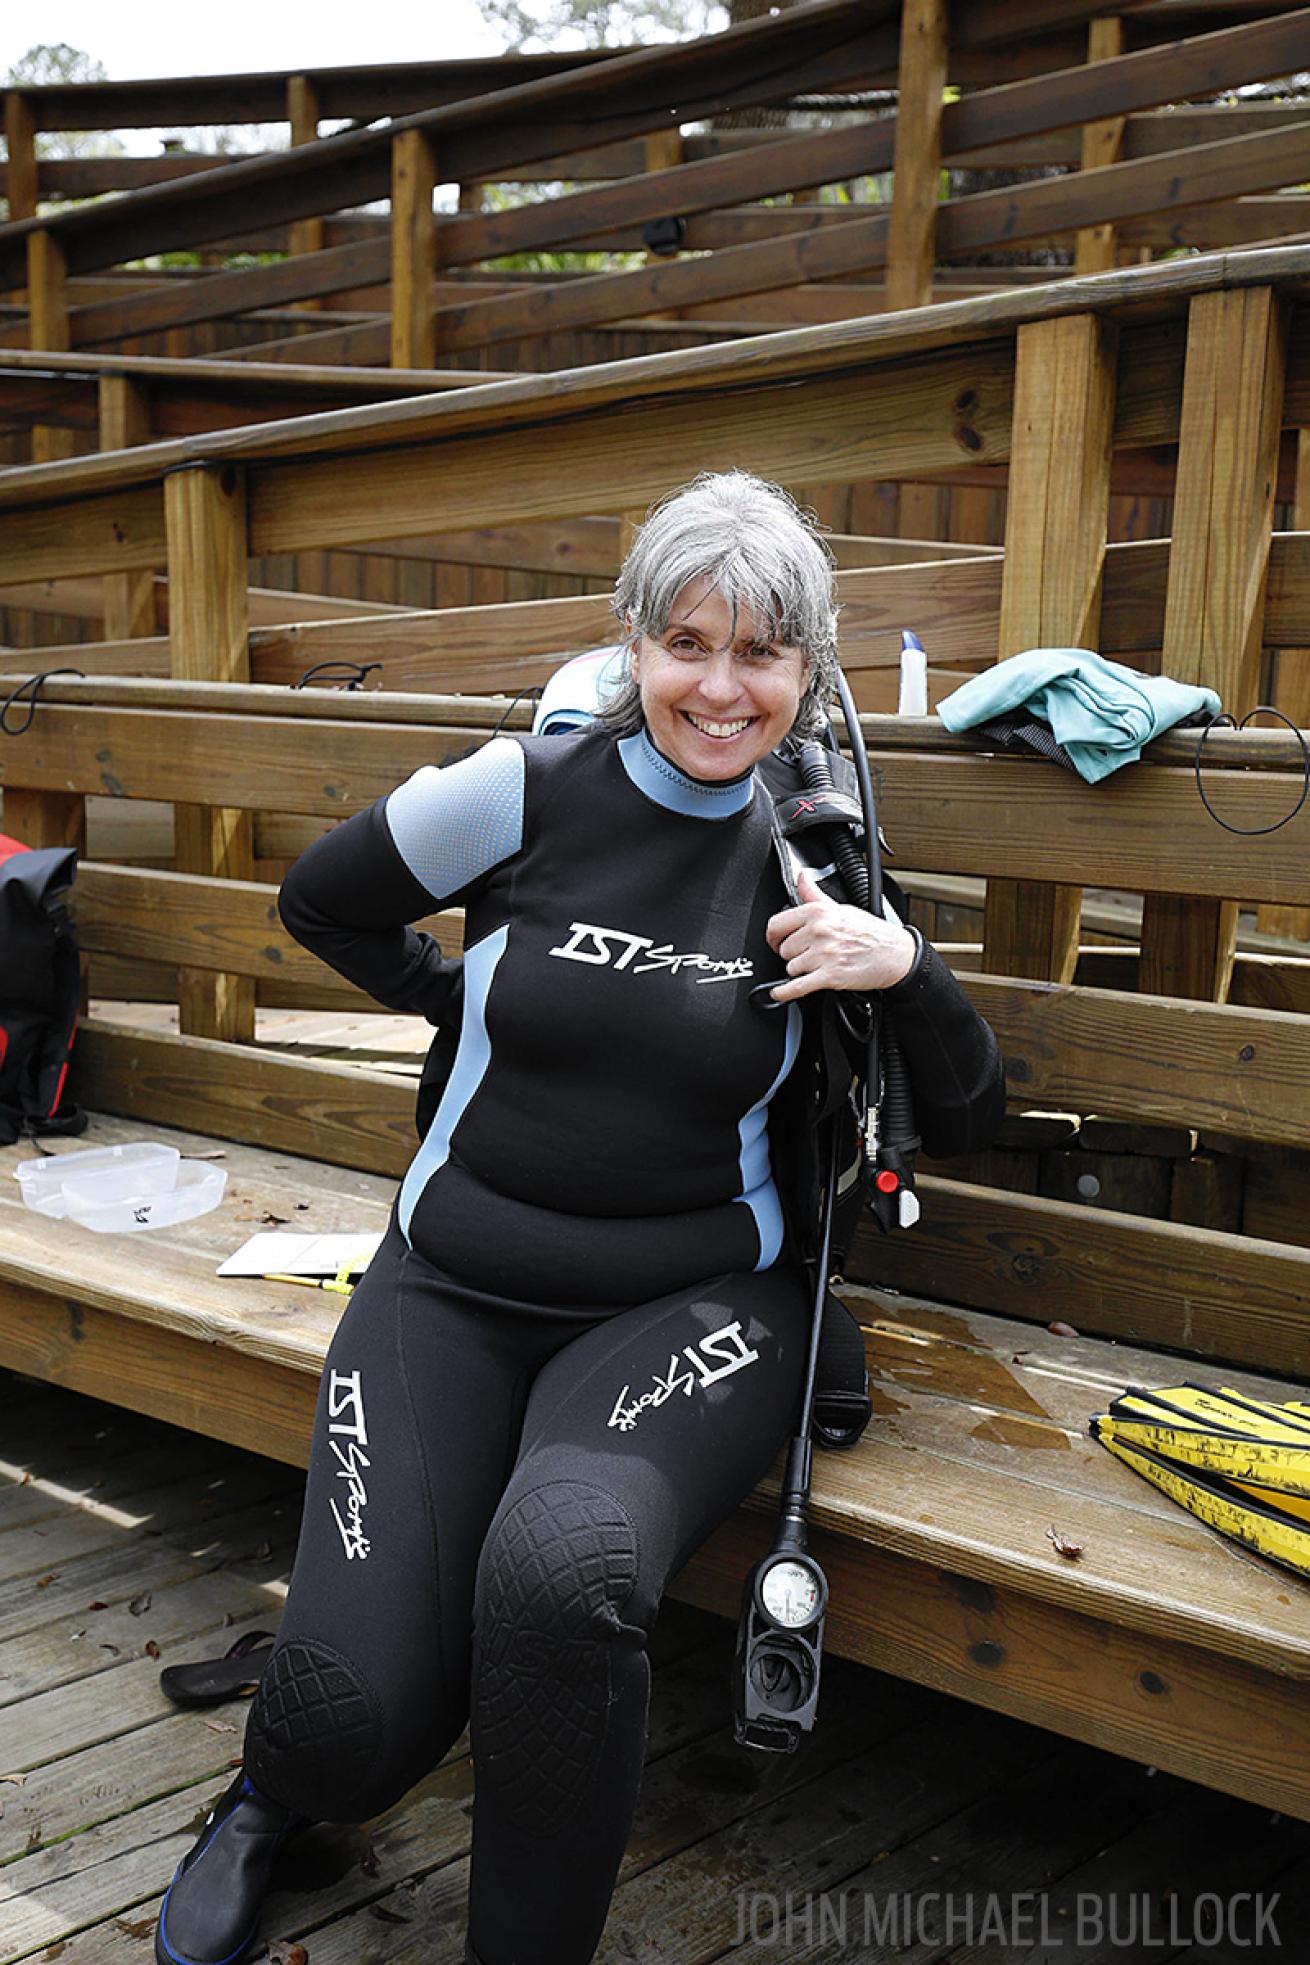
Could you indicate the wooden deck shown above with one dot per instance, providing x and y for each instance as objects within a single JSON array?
[{"x": 125, "y": 1543}]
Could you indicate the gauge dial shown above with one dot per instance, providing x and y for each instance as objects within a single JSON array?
[{"x": 790, "y": 1592}]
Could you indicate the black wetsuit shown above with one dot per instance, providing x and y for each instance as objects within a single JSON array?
[{"x": 582, "y": 1341}]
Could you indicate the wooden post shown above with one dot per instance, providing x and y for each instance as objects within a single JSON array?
[
  {"x": 413, "y": 250},
  {"x": 470, "y": 197},
  {"x": 205, "y": 521},
  {"x": 916, "y": 178},
  {"x": 124, "y": 421},
  {"x": 1291, "y": 694},
  {"x": 40, "y": 818},
  {"x": 47, "y": 286},
  {"x": 917, "y": 155},
  {"x": 1055, "y": 529},
  {"x": 302, "y": 114},
  {"x": 1095, "y": 246},
  {"x": 1214, "y": 603},
  {"x": 663, "y": 150},
  {"x": 20, "y": 145}
]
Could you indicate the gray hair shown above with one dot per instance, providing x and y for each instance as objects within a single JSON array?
[{"x": 753, "y": 542}]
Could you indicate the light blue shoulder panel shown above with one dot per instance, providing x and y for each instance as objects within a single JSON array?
[{"x": 451, "y": 825}]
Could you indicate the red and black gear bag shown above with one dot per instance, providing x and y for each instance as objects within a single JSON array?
[{"x": 40, "y": 989}]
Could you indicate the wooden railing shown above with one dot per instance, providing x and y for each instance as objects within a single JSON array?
[
  {"x": 779, "y": 261},
  {"x": 1209, "y": 354}
]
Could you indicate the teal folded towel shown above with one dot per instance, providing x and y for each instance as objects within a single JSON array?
[{"x": 1100, "y": 711}]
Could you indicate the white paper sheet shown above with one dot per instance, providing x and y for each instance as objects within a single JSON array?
[{"x": 279, "y": 1253}]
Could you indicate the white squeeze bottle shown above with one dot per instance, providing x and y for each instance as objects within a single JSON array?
[{"x": 914, "y": 676}]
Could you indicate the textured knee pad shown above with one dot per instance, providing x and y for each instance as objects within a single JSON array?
[
  {"x": 557, "y": 1572},
  {"x": 314, "y": 1736}
]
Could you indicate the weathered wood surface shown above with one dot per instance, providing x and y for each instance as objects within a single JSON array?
[
  {"x": 1220, "y": 1297},
  {"x": 899, "y": 1790},
  {"x": 625, "y": 95},
  {"x": 1055, "y": 531},
  {"x": 769, "y": 358}
]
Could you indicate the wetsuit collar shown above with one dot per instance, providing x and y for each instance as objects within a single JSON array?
[{"x": 651, "y": 772}]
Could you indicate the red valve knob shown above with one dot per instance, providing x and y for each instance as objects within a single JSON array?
[{"x": 887, "y": 1182}]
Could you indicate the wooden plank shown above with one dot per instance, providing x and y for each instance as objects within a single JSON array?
[
  {"x": 964, "y": 225},
  {"x": 621, "y": 458},
  {"x": 1052, "y": 1666},
  {"x": 1055, "y": 527},
  {"x": 226, "y": 925},
  {"x": 1102, "y": 143},
  {"x": 963, "y": 813},
  {"x": 225, "y": 760},
  {"x": 207, "y": 552},
  {"x": 111, "y": 533},
  {"x": 288, "y": 282},
  {"x": 353, "y": 1118},
  {"x": 920, "y": 89},
  {"x": 1105, "y": 1051},
  {"x": 1214, "y": 609},
  {"x": 1218, "y": 1297},
  {"x": 804, "y": 355},
  {"x": 129, "y": 598},
  {"x": 245, "y": 1400}
]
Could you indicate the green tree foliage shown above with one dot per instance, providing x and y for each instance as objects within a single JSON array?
[{"x": 56, "y": 61}]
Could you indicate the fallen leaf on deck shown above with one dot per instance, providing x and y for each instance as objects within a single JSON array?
[
  {"x": 1062, "y": 1330},
  {"x": 44, "y": 1582},
  {"x": 152, "y": 1649},
  {"x": 283, "y": 1952},
  {"x": 1062, "y": 1545},
  {"x": 220, "y": 1726},
  {"x": 98, "y": 1605},
  {"x": 140, "y": 1605},
  {"x": 18, "y": 1780}
]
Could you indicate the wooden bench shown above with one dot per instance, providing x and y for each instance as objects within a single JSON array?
[{"x": 1156, "y": 1640}]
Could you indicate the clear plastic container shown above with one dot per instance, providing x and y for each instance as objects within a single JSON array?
[
  {"x": 147, "y": 1164},
  {"x": 112, "y": 1204}
]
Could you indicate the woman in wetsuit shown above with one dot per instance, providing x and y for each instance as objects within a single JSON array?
[{"x": 583, "y": 1338}]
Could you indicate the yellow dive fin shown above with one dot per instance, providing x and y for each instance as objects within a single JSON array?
[
  {"x": 1218, "y": 1432},
  {"x": 1232, "y": 1510}
]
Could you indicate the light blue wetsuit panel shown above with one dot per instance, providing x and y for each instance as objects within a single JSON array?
[
  {"x": 453, "y": 824},
  {"x": 759, "y": 1191}
]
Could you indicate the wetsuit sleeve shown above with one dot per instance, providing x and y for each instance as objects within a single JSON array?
[
  {"x": 351, "y": 897},
  {"x": 953, "y": 1058}
]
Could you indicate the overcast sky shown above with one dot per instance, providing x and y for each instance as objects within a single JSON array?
[{"x": 236, "y": 35}]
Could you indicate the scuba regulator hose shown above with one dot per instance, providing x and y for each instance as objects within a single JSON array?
[{"x": 780, "y": 1634}]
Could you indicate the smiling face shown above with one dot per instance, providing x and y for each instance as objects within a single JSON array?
[{"x": 716, "y": 698}]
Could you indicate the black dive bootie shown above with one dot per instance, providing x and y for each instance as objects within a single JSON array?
[{"x": 211, "y": 1910}]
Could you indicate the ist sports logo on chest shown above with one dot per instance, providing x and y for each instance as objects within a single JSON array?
[
  {"x": 708, "y": 1360},
  {"x": 614, "y": 949}
]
